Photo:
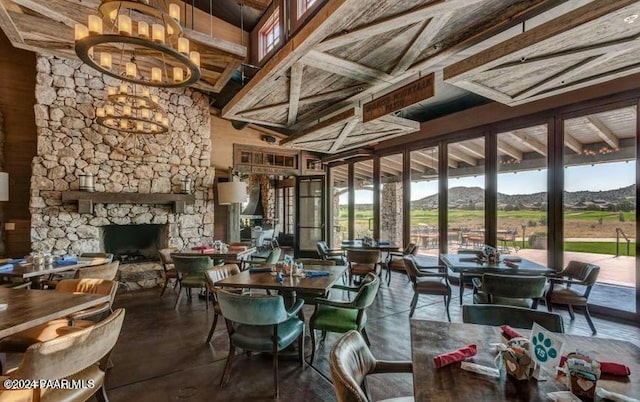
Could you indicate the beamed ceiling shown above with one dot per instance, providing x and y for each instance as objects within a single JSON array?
[{"x": 358, "y": 68}]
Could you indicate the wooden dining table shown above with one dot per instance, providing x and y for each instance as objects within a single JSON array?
[
  {"x": 432, "y": 338},
  {"x": 35, "y": 274},
  {"x": 232, "y": 255},
  {"x": 29, "y": 308},
  {"x": 511, "y": 265},
  {"x": 291, "y": 284}
]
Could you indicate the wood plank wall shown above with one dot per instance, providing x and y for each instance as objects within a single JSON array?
[{"x": 17, "y": 98}]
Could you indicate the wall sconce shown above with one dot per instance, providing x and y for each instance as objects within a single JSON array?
[
  {"x": 4, "y": 186},
  {"x": 9, "y": 226},
  {"x": 233, "y": 191}
]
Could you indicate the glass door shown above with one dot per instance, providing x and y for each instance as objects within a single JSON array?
[
  {"x": 338, "y": 205},
  {"x": 310, "y": 215},
  {"x": 599, "y": 202},
  {"x": 424, "y": 200}
]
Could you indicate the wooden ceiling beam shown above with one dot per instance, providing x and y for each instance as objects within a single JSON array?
[
  {"x": 461, "y": 155},
  {"x": 347, "y": 114},
  {"x": 226, "y": 75},
  {"x": 7, "y": 24},
  {"x": 603, "y": 132},
  {"x": 510, "y": 150},
  {"x": 259, "y": 5},
  {"x": 58, "y": 10},
  {"x": 572, "y": 143},
  {"x": 295, "y": 85},
  {"x": 511, "y": 48},
  {"x": 529, "y": 142},
  {"x": 344, "y": 133},
  {"x": 400, "y": 20},
  {"x": 472, "y": 149},
  {"x": 427, "y": 33},
  {"x": 345, "y": 68}
]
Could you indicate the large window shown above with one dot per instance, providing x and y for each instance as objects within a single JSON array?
[
  {"x": 466, "y": 194},
  {"x": 303, "y": 6},
  {"x": 391, "y": 200},
  {"x": 363, "y": 219},
  {"x": 269, "y": 34},
  {"x": 338, "y": 205},
  {"x": 522, "y": 192},
  {"x": 424, "y": 200},
  {"x": 599, "y": 201}
]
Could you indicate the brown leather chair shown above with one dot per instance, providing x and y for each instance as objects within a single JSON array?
[
  {"x": 562, "y": 289},
  {"x": 361, "y": 262},
  {"x": 428, "y": 281},
  {"x": 168, "y": 268},
  {"x": 79, "y": 355},
  {"x": 350, "y": 361},
  {"x": 211, "y": 276},
  {"x": 21, "y": 341}
]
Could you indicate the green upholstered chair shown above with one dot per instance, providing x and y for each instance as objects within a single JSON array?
[
  {"x": 271, "y": 259},
  {"x": 509, "y": 290},
  {"x": 466, "y": 279},
  {"x": 260, "y": 323},
  {"x": 350, "y": 361},
  {"x": 572, "y": 287},
  {"x": 328, "y": 254},
  {"x": 191, "y": 270},
  {"x": 211, "y": 276},
  {"x": 517, "y": 317},
  {"x": 428, "y": 281},
  {"x": 342, "y": 316}
]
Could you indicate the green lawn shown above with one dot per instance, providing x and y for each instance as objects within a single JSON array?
[{"x": 600, "y": 248}]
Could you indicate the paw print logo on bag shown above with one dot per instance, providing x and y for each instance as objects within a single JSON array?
[{"x": 543, "y": 348}]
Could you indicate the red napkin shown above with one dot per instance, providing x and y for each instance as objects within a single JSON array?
[
  {"x": 199, "y": 248},
  {"x": 455, "y": 356},
  {"x": 509, "y": 332},
  {"x": 610, "y": 368}
]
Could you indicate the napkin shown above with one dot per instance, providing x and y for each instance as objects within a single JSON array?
[
  {"x": 313, "y": 274},
  {"x": 6, "y": 267},
  {"x": 509, "y": 332},
  {"x": 65, "y": 261},
  {"x": 610, "y": 368},
  {"x": 512, "y": 259},
  {"x": 259, "y": 269},
  {"x": 199, "y": 248},
  {"x": 510, "y": 264},
  {"x": 455, "y": 356},
  {"x": 16, "y": 261}
]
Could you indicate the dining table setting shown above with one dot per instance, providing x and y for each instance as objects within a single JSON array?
[{"x": 455, "y": 361}]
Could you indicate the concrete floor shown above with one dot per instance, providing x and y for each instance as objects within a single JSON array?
[{"x": 162, "y": 356}]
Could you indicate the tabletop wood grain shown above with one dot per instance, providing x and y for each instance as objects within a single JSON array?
[
  {"x": 30, "y": 308},
  {"x": 431, "y": 338},
  {"x": 230, "y": 255},
  {"x": 265, "y": 280},
  {"x": 31, "y": 271}
]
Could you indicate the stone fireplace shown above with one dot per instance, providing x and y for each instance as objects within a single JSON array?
[{"x": 70, "y": 143}]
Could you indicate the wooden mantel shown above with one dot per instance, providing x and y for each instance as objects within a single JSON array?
[{"x": 86, "y": 199}]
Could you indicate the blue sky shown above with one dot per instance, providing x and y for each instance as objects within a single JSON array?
[{"x": 599, "y": 177}]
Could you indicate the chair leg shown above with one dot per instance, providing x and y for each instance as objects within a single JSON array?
[
  {"x": 178, "y": 299},
  {"x": 301, "y": 348},
  {"x": 206, "y": 298},
  {"x": 213, "y": 327},
  {"x": 313, "y": 344},
  {"x": 388, "y": 274},
  {"x": 275, "y": 368},
  {"x": 589, "y": 321},
  {"x": 365, "y": 336},
  {"x": 571, "y": 314},
  {"x": 447, "y": 302},
  {"x": 461, "y": 291},
  {"x": 164, "y": 288},
  {"x": 414, "y": 302},
  {"x": 101, "y": 394},
  {"x": 227, "y": 367}
]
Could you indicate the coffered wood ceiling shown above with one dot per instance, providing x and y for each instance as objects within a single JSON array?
[
  {"x": 355, "y": 50},
  {"x": 47, "y": 26}
]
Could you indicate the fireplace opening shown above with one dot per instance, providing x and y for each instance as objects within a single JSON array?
[{"x": 134, "y": 243}]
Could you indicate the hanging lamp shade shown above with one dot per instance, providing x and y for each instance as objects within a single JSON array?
[
  {"x": 4, "y": 186},
  {"x": 232, "y": 192}
]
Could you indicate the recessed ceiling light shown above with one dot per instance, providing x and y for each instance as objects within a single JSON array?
[{"x": 631, "y": 19}]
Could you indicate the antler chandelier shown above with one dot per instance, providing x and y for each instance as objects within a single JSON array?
[{"x": 138, "y": 42}]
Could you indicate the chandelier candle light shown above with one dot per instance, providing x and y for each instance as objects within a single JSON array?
[{"x": 138, "y": 42}]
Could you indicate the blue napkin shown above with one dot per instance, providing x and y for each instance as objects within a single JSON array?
[
  {"x": 313, "y": 274},
  {"x": 6, "y": 267},
  {"x": 16, "y": 261},
  {"x": 384, "y": 242},
  {"x": 65, "y": 261},
  {"x": 259, "y": 269}
]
